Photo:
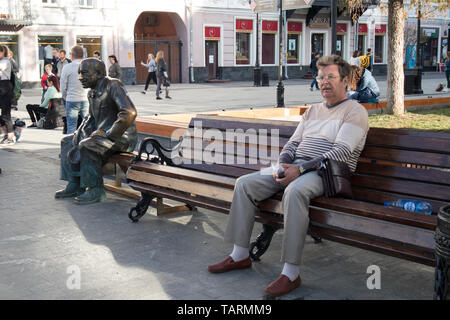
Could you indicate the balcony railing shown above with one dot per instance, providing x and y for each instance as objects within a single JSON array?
[{"x": 14, "y": 14}]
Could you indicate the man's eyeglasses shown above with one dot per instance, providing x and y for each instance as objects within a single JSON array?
[{"x": 329, "y": 77}]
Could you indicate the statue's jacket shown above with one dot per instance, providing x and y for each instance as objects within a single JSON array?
[{"x": 112, "y": 111}]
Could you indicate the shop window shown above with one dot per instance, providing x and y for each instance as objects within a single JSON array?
[
  {"x": 242, "y": 48},
  {"x": 293, "y": 52},
  {"x": 90, "y": 45},
  {"x": 46, "y": 44},
  {"x": 86, "y": 3},
  {"x": 340, "y": 45},
  {"x": 12, "y": 42},
  {"x": 268, "y": 48},
  {"x": 362, "y": 44},
  {"x": 379, "y": 49}
]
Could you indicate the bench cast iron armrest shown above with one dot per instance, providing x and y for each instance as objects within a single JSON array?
[{"x": 160, "y": 150}]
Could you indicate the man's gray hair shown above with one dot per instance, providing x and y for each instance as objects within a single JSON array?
[
  {"x": 77, "y": 52},
  {"x": 344, "y": 66}
]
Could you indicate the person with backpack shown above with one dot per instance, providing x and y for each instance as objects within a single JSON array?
[
  {"x": 365, "y": 61},
  {"x": 370, "y": 55},
  {"x": 315, "y": 71},
  {"x": 53, "y": 91},
  {"x": 6, "y": 96}
]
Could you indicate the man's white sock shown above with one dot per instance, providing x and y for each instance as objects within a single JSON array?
[
  {"x": 292, "y": 271},
  {"x": 239, "y": 253}
]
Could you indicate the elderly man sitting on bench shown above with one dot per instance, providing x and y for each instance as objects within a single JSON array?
[{"x": 335, "y": 129}]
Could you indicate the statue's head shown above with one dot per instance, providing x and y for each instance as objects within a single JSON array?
[{"x": 91, "y": 70}]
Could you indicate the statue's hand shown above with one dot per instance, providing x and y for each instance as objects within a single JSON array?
[{"x": 100, "y": 133}]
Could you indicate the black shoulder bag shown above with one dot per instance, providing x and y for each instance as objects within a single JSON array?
[{"x": 336, "y": 178}]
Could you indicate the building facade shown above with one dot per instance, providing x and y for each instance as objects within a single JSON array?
[{"x": 201, "y": 39}]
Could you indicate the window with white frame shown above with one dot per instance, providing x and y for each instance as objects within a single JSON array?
[
  {"x": 86, "y": 3},
  {"x": 50, "y": 2},
  {"x": 244, "y": 29}
]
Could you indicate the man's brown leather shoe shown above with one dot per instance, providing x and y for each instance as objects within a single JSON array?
[
  {"x": 282, "y": 285},
  {"x": 228, "y": 264}
]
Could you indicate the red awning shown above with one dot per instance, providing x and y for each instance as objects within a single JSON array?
[
  {"x": 244, "y": 25},
  {"x": 362, "y": 29},
  {"x": 341, "y": 28},
  {"x": 380, "y": 29},
  {"x": 269, "y": 26},
  {"x": 295, "y": 27},
  {"x": 212, "y": 33}
]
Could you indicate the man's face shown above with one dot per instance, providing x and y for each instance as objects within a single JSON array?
[
  {"x": 87, "y": 76},
  {"x": 62, "y": 55},
  {"x": 331, "y": 86},
  {"x": 55, "y": 53},
  {"x": 96, "y": 56}
]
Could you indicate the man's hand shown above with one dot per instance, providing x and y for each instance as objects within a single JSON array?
[{"x": 291, "y": 173}]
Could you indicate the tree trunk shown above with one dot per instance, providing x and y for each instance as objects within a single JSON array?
[{"x": 396, "y": 77}]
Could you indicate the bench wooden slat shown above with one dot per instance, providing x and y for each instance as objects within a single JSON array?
[
  {"x": 414, "y": 143},
  {"x": 377, "y": 245},
  {"x": 406, "y": 187},
  {"x": 396, "y": 171},
  {"x": 405, "y": 156},
  {"x": 185, "y": 174},
  {"x": 379, "y": 197},
  {"x": 194, "y": 188},
  {"x": 374, "y": 228},
  {"x": 376, "y": 211},
  {"x": 178, "y": 196},
  {"x": 285, "y": 128}
]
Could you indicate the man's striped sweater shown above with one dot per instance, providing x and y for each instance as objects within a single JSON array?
[{"x": 338, "y": 132}]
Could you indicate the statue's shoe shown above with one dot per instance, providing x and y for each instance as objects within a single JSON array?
[
  {"x": 92, "y": 195},
  {"x": 72, "y": 190}
]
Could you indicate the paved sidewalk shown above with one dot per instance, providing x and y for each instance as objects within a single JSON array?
[{"x": 42, "y": 239}]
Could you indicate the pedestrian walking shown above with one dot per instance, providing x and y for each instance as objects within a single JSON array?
[
  {"x": 315, "y": 71},
  {"x": 54, "y": 61},
  {"x": 161, "y": 75},
  {"x": 355, "y": 59},
  {"x": 114, "y": 70},
  {"x": 63, "y": 61},
  {"x": 151, "y": 65},
  {"x": 74, "y": 95},
  {"x": 48, "y": 72},
  {"x": 6, "y": 92},
  {"x": 447, "y": 69},
  {"x": 53, "y": 92},
  {"x": 97, "y": 55},
  {"x": 15, "y": 69}
]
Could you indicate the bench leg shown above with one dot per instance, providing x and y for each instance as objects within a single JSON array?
[
  {"x": 262, "y": 242},
  {"x": 442, "y": 271},
  {"x": 141, "y": 207},
  {"x": 163, "y": 209}
]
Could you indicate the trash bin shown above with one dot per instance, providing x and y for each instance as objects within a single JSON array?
[
  {"x": 265, "y": 79},
  {"x": 413, "y": 81}
]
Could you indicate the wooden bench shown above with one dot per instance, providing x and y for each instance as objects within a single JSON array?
[{"x": 395, "y": 164}]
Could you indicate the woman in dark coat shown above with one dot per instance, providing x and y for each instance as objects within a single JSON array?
[
  {"x": 161, "y": 75},
  {"x": 114, "y": 70},
  {"x": 6, "y": 94}
]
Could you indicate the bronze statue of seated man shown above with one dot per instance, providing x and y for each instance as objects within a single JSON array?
[{"x": 109, "y": 128}]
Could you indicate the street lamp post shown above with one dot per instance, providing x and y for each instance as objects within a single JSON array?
[
  {"x": 280, "y": 87},
  {"x": 257, "y": 70},
  {"x": 418, "y": 79}
]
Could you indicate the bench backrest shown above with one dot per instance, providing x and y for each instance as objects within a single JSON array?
[{"x": 395, "y": 163}]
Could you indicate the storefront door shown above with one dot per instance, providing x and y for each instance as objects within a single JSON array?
[
  {"x": 211, "y": 58},
  {"x": 317, "y": 43}
]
